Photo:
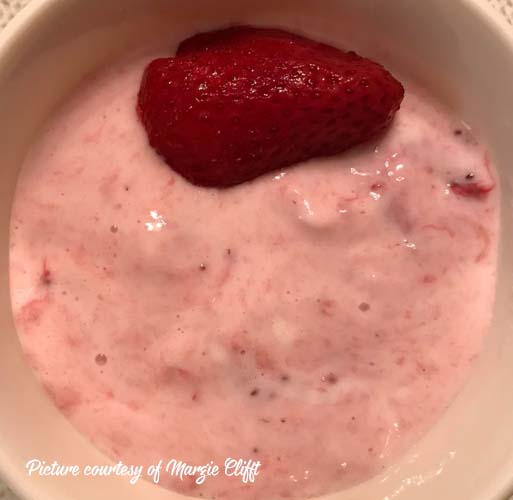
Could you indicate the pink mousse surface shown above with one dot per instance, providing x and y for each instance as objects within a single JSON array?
[{"x": 318, "y": 319}]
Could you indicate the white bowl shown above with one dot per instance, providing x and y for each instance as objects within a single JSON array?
[{"x": 460, "y": 49}]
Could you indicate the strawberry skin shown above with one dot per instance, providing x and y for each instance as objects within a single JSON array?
[{"x": 237, "y": 103}]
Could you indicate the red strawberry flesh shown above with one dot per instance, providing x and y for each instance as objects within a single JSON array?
[
  {"x": 471, "y": 189},
  {"x": 238, "y": 103}
]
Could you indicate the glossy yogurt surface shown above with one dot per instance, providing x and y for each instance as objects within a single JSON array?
[{"x": 318, "y": 320}]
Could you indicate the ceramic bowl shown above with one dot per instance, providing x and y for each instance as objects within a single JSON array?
[{"x": 459, "y": 49}]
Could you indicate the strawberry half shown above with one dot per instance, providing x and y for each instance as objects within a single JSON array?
[{"x": 237, "y": 103}]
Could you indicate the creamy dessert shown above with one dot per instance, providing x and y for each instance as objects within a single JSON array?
[{"x": 318, "y": 319}]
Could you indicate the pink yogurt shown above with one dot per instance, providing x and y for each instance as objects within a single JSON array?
[{"x": 318, "y": 320}]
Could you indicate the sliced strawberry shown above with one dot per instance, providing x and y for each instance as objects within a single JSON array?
[
  {"x": 237, "y": 103},
  {"x": 471, "y": 189}
]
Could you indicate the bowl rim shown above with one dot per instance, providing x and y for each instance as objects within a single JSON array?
[{"x": 13, "y": 33}]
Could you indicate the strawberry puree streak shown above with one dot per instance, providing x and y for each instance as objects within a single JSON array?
[{"x": 318, "y": 319}]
